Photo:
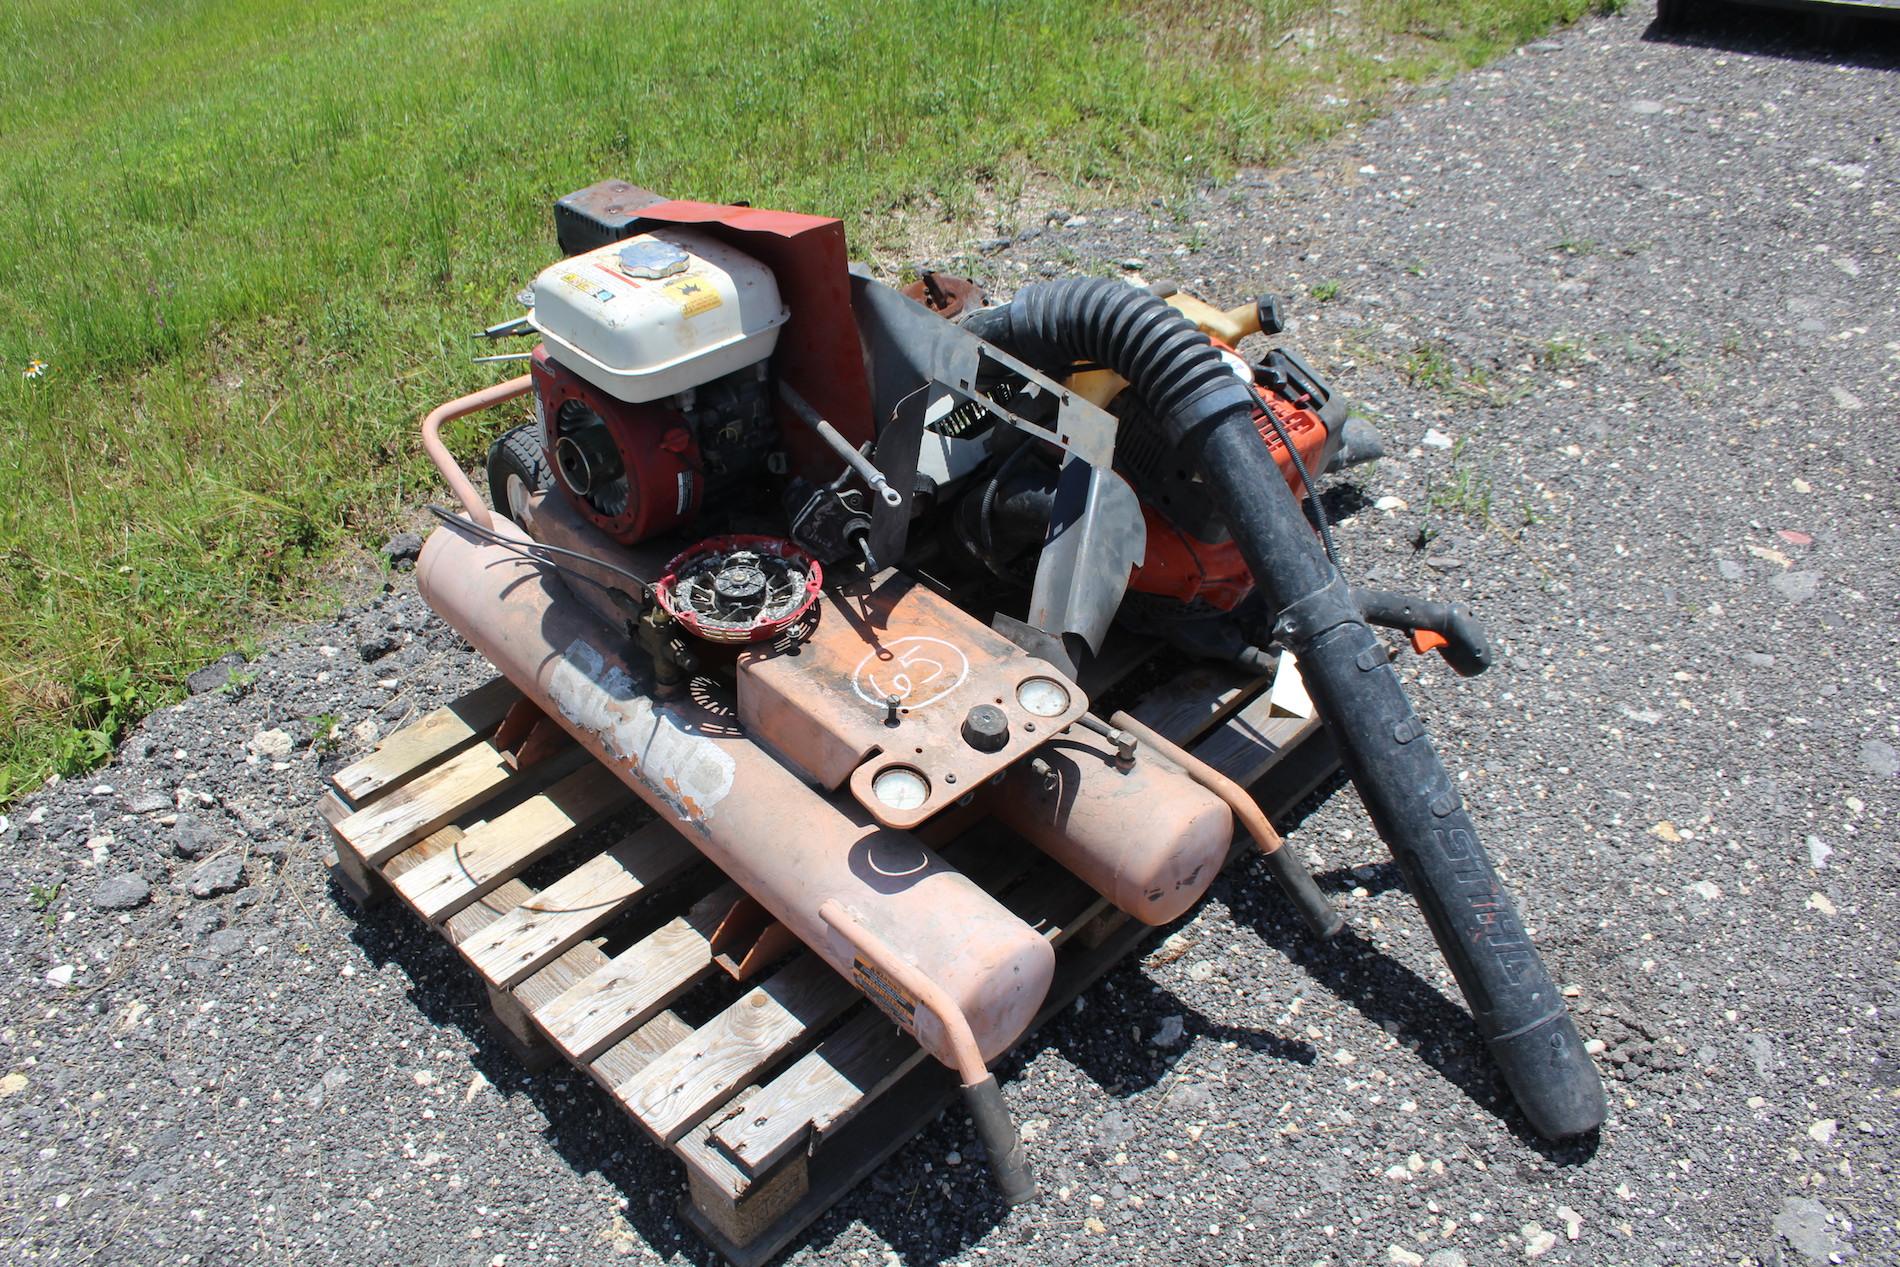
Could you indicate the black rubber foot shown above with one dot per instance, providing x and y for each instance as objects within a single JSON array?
[
  {"x": 1552, "y": 1077},
  {"x": 1320, "y": 916},
  {"x": 1009, "y": 1164}
]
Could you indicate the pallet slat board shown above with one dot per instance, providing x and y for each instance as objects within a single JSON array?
[
  {"x": 819, "y": 1092},
  {"x": 419, "y": 746},
  {"x": 534, "y": 934},
  {"x": 500, "y": 847},
  {"x": 793, "y": 1087},
  {"x": 676, "y": 1091},
  {"x": 634, "y": 985}
]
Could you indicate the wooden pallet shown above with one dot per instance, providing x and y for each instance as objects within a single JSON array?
[{"x": 794, "y": 1088}]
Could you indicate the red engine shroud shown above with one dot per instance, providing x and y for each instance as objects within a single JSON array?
[
  {"x": 664, "y": 485},
  {"x": 1181, "y": 567}
]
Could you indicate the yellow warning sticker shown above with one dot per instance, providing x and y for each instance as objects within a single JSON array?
[
  {"x": 592, "y": 289},
  {"x": 693, "y": 294},
  {"x": 891, "y": 998}
]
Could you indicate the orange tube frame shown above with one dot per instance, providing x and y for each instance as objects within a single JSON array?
[{"x": 461, "y": 407}]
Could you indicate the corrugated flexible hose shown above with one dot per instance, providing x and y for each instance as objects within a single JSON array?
[{"x": 1208, "y": 414}]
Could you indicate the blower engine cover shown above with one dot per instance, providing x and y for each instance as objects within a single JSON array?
[{"x": 1190, "y": 556}]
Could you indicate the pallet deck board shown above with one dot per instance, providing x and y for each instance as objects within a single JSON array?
[
  {"x": 1251, "y": 741},
  {"x": 421, "y": 744},
  {"x": 622, "y": 1062},
  {"x": 795, "y": 1086},
  {"x": 1054, "y": 903},
  {"x": 433, "y": 799},
  {"x": 518, "y": 944},
  {"x": 491, "y": 906},
  {"x": 679, "y": 1088},
  {"x": 1197, "y": 700},
  {"x": 628, "y": 989},
  {"x": 821, "y": 1090},
  {"x": 508, "y": 843}
]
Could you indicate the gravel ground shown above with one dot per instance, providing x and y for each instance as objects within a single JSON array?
[{"x": 1646, "y": 292}]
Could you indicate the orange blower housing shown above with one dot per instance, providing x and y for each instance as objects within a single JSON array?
[{"x": 1195, "y": 569}]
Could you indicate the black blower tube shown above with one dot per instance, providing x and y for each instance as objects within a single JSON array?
[{"x": 1412, "y": 802}]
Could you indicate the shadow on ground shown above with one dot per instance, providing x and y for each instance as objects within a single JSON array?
[
  {"x": 584, "y": 1126},
  {"x": 1831, "y": 34}
]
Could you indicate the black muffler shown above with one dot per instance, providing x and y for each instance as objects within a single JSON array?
[{"x": 1412, "y": 802}]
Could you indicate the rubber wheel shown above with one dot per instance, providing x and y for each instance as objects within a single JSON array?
[{"x": 517, "y": 468}]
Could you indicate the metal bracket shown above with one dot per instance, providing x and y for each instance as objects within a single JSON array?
[
  {"x": 923, "y": 367},
  {"x": 526, "y": 736},
  {"x": 747, "y": 938}
]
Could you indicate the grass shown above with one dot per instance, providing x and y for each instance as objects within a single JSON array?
[
  {"x": 1429, "y": 365},
  {"x": 1466, "y": 489},
  {"x": 1656, "y": 349},
  {"x": 1561, "y": 354},
  {"x": 40, "y": 899},
  {"x": 1568, "y": 243},
  {"x": 245, "y": 240}
]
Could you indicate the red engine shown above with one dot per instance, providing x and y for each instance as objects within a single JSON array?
[
  {"x": 665, "y": 332},
  {"x": 636, "y": 470}
]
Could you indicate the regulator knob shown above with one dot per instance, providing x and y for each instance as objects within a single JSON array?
[{"x": 986, "y": 728}]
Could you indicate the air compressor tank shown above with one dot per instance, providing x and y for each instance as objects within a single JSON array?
[
  {"x": 788, "y": 845},
  {"x": 1139, "y": 832}
]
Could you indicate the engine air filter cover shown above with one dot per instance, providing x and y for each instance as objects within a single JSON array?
[
  {"x": 658, "y": 313},
  {"x": 739, "y": 588}
]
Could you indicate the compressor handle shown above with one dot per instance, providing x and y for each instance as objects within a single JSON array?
[
  {"x": 461, "y": 407},
  {"x": 1001, "y": 1139}
]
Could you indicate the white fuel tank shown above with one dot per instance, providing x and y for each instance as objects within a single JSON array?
[{"x": 655, "y": 314}]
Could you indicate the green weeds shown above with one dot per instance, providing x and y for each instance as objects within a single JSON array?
[
  {"x": 40, "y": 899},
  {"x": 104, "y": 705},
  {"x": 1466, "y": 490},
  {"x": 326, "y": 733},
  {"x": 1568, "y": 243},
  {"x": 1560, "y": 355},
  {"x": 1656, "y": 349},
  {"x": 1429, "y": 365}
]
